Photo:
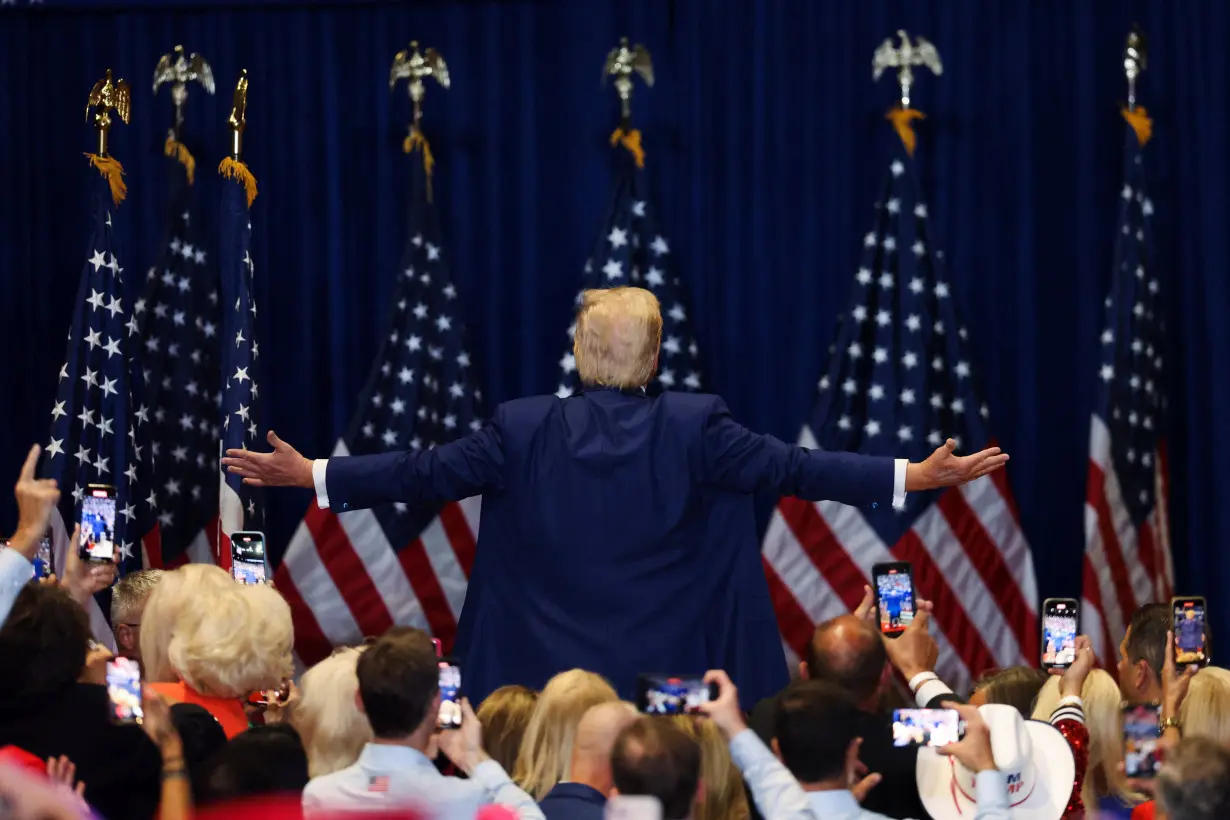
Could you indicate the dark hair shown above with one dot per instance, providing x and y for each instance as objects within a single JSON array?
[
  {"x": 1016, "y": 686},
  {"x": 653, "y": 757},
  {"x": 1194, "y": 783},
  {"x": 264, "y": 760},
  {"x": 856, "y": 664},
  {"x": 43, "y": 641},
  {"x": 202, "y": 738},
  {"x": 399, "y": 675},
  {"x": 814, "y": 723},
  {"x": 1146, "y": 637}
]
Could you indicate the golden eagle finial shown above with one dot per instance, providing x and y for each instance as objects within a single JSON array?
[
  {"x": 239, "y": 110},
  {"x": 178, "y": 69},
  {"x": 414, "y": 67},
  {"x": 106, "y": 97},
  {"x": 621, "y": 63}
]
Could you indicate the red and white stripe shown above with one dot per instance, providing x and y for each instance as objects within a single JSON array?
[
  {"x": 969, "y": 556},
  {"x": 1124, "y": 567},
  {"x": 345, "y": 581}
]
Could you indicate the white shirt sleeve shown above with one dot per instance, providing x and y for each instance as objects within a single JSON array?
[
  {"x": 926, "y": 687},
  {"x": 502, "y": 791},
  {"x": 15, "y": 572},
  {"x": 322, "y": 491},
  {"x": 899, "y": 483},
  {"x": 991, "y": 792},
  {"x": 775, "y": 791}
]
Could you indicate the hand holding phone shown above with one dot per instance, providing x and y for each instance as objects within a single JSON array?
[
  {"x": 1141, "y": 736},
  {"x": 1190, "y": 632},
  {"x": 895, "y": 602},
  {"x": 124, "y": 690},
  {"x": 926, "y": 727},
  {"x": 673, "y": 695}
]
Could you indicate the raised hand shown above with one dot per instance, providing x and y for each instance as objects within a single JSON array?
[
  {"x": 284, "y": 467},
  {"x": 945, "y": 469},
  {"x": 36, "y": 498}
]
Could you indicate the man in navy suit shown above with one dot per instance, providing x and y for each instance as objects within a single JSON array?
[{"x": 617, "y": 529}]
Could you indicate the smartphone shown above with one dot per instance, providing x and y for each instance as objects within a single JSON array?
[
  {"x": 1141, "y": 733},
  {"x": 1060, "y": 626},
  {"x": 124, "y": 690},
  {"x": 894, "y": 585},
  {"x": 42, "y": 557},
  {"x": 673, "y": 695},
  {"x": 1190, "y": 638},
  {"x": 632, "y": 807},
  {"x": 248, "y": 564},
  {"x": 439, "y": 647},
  {"x": 926, "y": 727},
  {"x": 264, "y": 697},
  {"x": 450, "y": 695},
  {"x": 98, "y": 523}
]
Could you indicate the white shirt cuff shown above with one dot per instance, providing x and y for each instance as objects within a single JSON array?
[
  {"x": 991, "y": 792},
  {"x": 929, "y": 691},
  {"x": 318, "y": 478},
  {"x": 899, "y": 483}
]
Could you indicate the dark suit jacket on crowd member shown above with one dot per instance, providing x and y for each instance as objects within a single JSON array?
[
  {"x": 617, "y": 535},
  {"x": 120, "y": 766},
  {"x": 897, "y": 794}
]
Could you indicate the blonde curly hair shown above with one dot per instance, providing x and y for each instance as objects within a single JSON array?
[{"x": 162, "y": 610}]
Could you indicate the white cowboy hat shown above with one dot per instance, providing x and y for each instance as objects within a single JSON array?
[{"x": 1032, "y": 755}]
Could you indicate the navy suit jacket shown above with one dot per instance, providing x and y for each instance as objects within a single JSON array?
[{"x": 617, "y": 535}]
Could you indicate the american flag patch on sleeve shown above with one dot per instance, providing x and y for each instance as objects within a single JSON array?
[{"x": 379, "y": 783}]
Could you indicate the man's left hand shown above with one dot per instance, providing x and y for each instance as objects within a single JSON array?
[{"x": 945, "y": 469}]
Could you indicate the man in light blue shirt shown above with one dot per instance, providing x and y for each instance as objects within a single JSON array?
[
  {"x": 399, "y": 691},
  {"x": 817, "y": 744},
  {"x": 36, "y": 498}
]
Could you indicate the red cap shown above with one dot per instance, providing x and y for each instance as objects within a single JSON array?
[{"x": 21, "y": 759}]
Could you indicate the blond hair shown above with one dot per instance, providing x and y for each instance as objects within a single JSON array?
[
  {"x": 617, "y": 335},
  {"x": 231, "y": 640},
  {"x": 724, "y": 797},
  {"x": 129, "y": 595},
  {"x": 162, "y": 608},
  {"x": 546, "y": 751},
  {"x": 1206, "y": 709},
  {"x": 505, "y": 715},
  {"x": 333, "y": 728},
  {"x": 1104, "y": 720}
]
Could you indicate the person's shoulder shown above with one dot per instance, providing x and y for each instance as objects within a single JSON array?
[
  {"x": 325, "y": 784},
  {"x": 691, "y": 405}
]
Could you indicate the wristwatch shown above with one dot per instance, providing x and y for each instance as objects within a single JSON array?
[{"x": 1170, "y": 723}]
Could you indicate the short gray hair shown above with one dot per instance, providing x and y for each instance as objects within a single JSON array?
[
  {"x": 1194, "y": 783},
  {"x": 130, "y": 594}
]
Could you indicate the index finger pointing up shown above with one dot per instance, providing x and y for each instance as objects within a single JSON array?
[{"x": 27, "y": 469}]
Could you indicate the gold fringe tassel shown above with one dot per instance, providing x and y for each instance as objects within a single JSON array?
[
  {"x": 231, "y": 168},
  {"x": 174, "y": 148},
  {"x": 902, "y": 120},
  {"x": 415, "y": 141},
  {"x": 1141, "y": 124},
  {"x": 113, "y": 172},
  {"x": 631, "y": 140}
]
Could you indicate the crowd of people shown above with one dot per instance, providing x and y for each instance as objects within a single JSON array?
[{"x": 226, "y": 730}]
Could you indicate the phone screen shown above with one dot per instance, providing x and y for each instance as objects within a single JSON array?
[
  {"x": 1189, "y": 632},
  {"x": 98, "y": 523},
  {"x": 1140, "y": 737},
  {"x": 670, "y": 695},
  {"x": 124, "y": 690},
  {"x": 248, "y": 557},
  {"x": 1060, "y": 622},
  {"x": 450, "y": 696},
  {"x": 894, "y": 599},
  {"x": 926, "y": 727}
]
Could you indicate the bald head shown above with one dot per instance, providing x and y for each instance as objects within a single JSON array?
[
  {"x": 591, "y": 749},
  {"x": 849, "y": 652}
]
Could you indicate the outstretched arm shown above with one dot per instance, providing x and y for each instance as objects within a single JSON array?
[
  {"x": 737, "y": 459},
  {"x": 450, "y": 472}
]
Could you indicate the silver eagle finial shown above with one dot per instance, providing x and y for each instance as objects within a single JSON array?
[
  {"x": 179, "y": 69},
  {"x": 409, "y": 64},
  {"x": 621, "y": 63},
  {"x": 1135, "y": 61},
  {"x": 919, "y": 53}
]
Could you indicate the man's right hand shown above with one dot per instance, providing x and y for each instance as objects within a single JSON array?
[
  {"x": 36, "y": 498},
  {"x": 724, "y": 712},
  {"x": 914, "y": 650},
  {"x": 464, "y": 746},
  {"x": 284, "y": 467}
]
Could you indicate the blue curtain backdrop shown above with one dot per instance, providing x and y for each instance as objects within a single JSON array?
[{"x": 765, "y": 138}]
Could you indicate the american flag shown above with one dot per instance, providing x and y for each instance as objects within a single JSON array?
[
  {"x": 98, "y": 429},
  {"x": 899, "y": 383},
  {"x": 180, "y": 335},
  {"x": 1127, "y": 537},
  {"x": 238, "y": 506},
  {"x": 631, "y": 250},
  {"x": 354, "y": 575}
]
